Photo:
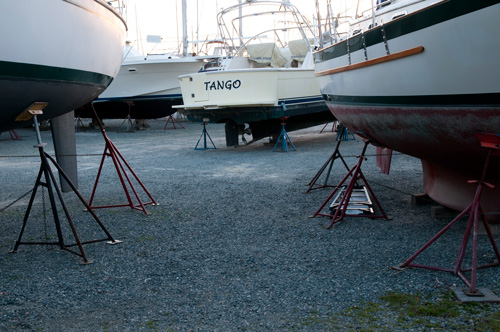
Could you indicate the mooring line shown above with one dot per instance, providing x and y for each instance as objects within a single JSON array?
[{"x": 64, "y": 155}]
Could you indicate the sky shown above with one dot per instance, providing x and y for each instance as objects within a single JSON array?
[{"x": 163, "y": 18}]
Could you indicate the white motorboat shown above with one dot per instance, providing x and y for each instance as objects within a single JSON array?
[
  {"x": 268, "y": 74},
  {"x": 146, "y": 86}
]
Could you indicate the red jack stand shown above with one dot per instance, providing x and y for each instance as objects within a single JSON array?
[
  {"x": 14, "y": 135},
  {"x": 111, "y": 151},
  {"x": 128, "y": 118},
  {"x": 329, "y": 163},
  {"x": 334, "y": 127},
  {"x": 492, "y": 143},
  {"x": 172, "y": 120},
  {"x": 340, "y": 211}
]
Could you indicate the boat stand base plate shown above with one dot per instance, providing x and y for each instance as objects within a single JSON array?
[{"x": 485, "y": 295}]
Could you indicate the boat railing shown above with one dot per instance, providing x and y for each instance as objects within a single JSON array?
[
  {"x": 359, "y": 28},
  {"x": 379, "y": 5},
  {"x": 231, "y": 30},
  {"x": 118, "y": 5},
  {"x": 384, "y": 10}
]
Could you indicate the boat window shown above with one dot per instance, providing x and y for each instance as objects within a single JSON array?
[
  {"x": 382, "y": 3},
  {"x": 398, "y": 15}
]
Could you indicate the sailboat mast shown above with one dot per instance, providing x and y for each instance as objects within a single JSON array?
[
  {"x": 320, "y": 33},
  {"x": 373, "y": 14},
  {"x": 184, "y": 29}
]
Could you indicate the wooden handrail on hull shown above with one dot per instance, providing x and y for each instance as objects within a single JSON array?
[{"x": 382, "y": 59}]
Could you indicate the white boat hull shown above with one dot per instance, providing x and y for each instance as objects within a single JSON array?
[
  {"x": 255, "y": 97},
  {"x": 145, "y": 87},
  {"x": 62, "y": 52},
  {"x": 265, "y": 87},
  {"x": 428, "y": 104}
]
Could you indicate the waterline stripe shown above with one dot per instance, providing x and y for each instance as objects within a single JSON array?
[{"x": 17, "y": 70}]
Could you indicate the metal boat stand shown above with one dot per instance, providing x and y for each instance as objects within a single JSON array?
[
  {"x": 345, "y": 134},
  {"x": 475, "y": 212},
  {"x": 50, "y": 183},
  {"x": 334, "y": 126},
  {"x": 173, "y": 121},
  {"x": 79, "y": 123},
  {"x": 284, "y": 138},
  {"x": 329, "y": 163},
  {"x": 128, "y": 118},
  {"x": 13, "y": 135},
  {"x": 346, "y": 192},
  {"x": 204, "y": 135},
  {"x": 121, "y": 167}
]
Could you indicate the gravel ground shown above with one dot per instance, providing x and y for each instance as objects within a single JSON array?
[{"x": 230, "y": 247}]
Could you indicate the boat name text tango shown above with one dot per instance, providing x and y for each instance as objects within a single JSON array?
[{"x": 221, "y": 85}]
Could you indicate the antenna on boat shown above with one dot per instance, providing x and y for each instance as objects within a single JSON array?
[{"x": 240, "y": 11}]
